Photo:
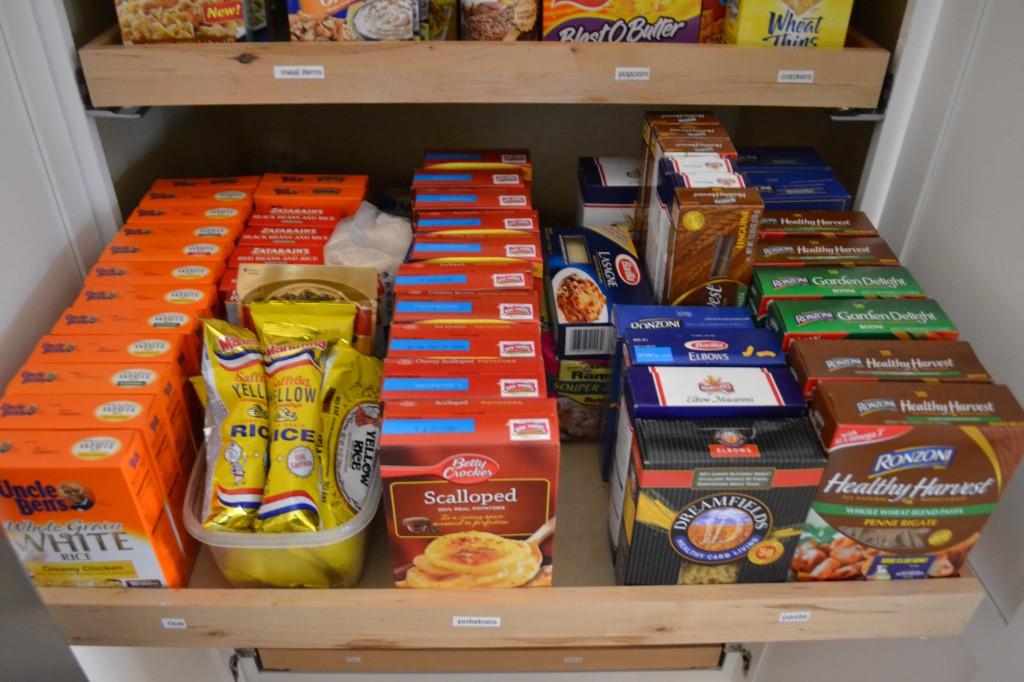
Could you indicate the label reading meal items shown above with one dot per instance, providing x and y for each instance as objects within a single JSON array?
[{"x": 311, "y": 72}]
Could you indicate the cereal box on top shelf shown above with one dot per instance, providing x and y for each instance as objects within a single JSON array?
[
  {"x": 192, "y": 21},
  {"x": 620, "y": 21}
]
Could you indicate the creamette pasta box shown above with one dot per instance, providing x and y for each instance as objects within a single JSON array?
[
  {"x": 469, "y": 491},
  {"x": 716, "y": 500},
  {"x": 914, "y": 471}
]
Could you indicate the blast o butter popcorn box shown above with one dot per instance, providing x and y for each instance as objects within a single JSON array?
[
  {"x": 84, "y": 509},
  {"x": 787, "y": 23},
  {"x": 615, "y": 21},
  {"x": 469, "y": 491}
]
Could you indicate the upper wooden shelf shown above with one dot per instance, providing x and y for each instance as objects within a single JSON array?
[
  {"x": 483, "y": 72},
  {"x": 584, "y": 609}
]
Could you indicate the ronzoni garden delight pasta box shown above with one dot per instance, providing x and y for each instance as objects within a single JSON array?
[{"x": 716, "y": 500}]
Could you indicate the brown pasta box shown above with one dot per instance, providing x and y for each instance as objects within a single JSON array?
[
  {"x": 469, "y": 491},
  {"x": 780, "y": 224},
  {"x": 818, "y": 360},
  {"x": 794, "y": 251},
  {"x": 711, "y": 246},
  {"x": 914, "y": 471}
]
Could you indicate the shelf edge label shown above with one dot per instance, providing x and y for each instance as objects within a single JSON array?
[
  {"x": 793, "y": 76},
  {"x": 632, "y": 73},
  {"x": 476, "y": 621},
  {"x": 310, "y": 72},
  {"x": 174, "y": 623},
  {"x": 794, "y": 616}
]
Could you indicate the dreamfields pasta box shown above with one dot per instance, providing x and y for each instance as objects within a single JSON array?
[{"x": 716, "y": 500}]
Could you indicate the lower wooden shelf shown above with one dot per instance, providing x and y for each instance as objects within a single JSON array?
[{"x": 584, "y": 609}]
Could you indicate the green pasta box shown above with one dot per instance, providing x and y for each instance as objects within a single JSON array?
[
  {"x": 859, "y": 318},
  {"x": 770, "y": 284}
]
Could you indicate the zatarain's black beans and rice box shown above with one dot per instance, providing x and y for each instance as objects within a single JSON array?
[{"x": 716, "y": 500}]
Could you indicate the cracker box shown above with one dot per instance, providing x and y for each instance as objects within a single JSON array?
[
  {"x": 178, "y": 271},
  {"x": 774, "y": 284},
  {"x": 779, "y": 224},
  {"x": 432, "y": 178},
  {"x": 787, "y": 23},
  {"x": 914, "y": 471},
  {"x": 480, "y": 159},
  {"x": 188, "y": 21},
  {"x": 425, "y": 276},
  {"x": 212, "y": 215},
  {"x": 464, "y": 340},
  {"x": 84, "y": 509},
  {"x": 710, "y": 248},
  {"x": 777, "y": 158},
  {"x": 858, "y": 318},
  {"x": 474, "y": 199},
  {"x": 716, "y": 501},
  {"x": 619, "y": 22},
  {"x": 824, "y": 251},
  {"x": 707, "y": 348},
  {"x": 470, "y": 490},
  {"x": 816, "y": 361},
  {"x": 243, "y": 182},
  {"x": 453, "y": 221},
  {"x": 184, "y": 197},
  {"x": 341, "y": 198},
  {"x": 218, "y": 233},
  {"x": 504, "y": 306},
  {"x": 286, "y": 235},
  {"x": 800, "y": 190},
  {"x": 281, "y": 216},
  {"x": 431, "y": 378},
  {"x": 608, "y": 188}
]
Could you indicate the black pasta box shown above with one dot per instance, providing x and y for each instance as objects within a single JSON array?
[{"x": 716, "y": 500}]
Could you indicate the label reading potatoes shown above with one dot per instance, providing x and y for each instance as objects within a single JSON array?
[
  {"x": 476, "y": 621},
  {"x": 311, "y": 72}
]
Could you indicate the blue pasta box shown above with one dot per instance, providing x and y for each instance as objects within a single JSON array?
[
  {"x": 799, "y": 189},
  {"x": 608, "y": 188},
  {"x": 777, "y": 158},
  {"x": 589, "y": 270},
  {"x": 708, "y": 348}
]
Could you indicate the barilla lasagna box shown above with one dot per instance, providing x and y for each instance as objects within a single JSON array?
[
  {"x": 279, "y": 216},
  {"x": 113, "y": 348},
  {"x": 464, "y": 340},
  {"x": 480, "y": 159},
  {"x": 505, "y": 306},
  {"x": 914, "y": 471},
  {"x": 191, "y": 215},
  {"x": 479, "y": 246},
  {"x": 248, "y": 182},
  {"x": 716, "y": 501},
  {"x": 590, "y": 269},
  {"x": 816, "y": 361},
  {"x": 288, "y": 254},
  {"x": 438, "y": 378},
  {"x": 777, "y": 158},
  {"x": 823, "y": 251},
  {"x": 171, "y": 449},
  {"x": 480, "y": 199},
  {"x": 800, "y": 190},
  {"x": 330, "y": 179},
  {"x": 206, "y": 252},
  {"x": 773, "y": 284},
  {"x": 345, "y": 199},
  {"x": 175, "y": 271},
  {"x": 201, "y": 197},
  {"x": 779, "y": 224},
  {"x": 195, "y": 299},
  {"x": 710, "y": 248},
  {"x": 608, "y": 188},
  {"x": 706, "y": 348},
  {"x": 433, "y": 178},
  {"x": 450, "y": 221},
  {"x": 181, "y": 231},
  {"x": 84, "y": 509},
  {"x": 423, "y": 276},
  {"x": 285, "y": 234},
  {"x": 858, "y": 318},
  {"x": 787, "y": 23},
  {"x": 470, "y": 489},
  {"x": 619, "y": 22}
]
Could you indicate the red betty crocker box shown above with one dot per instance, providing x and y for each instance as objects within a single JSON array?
[
  {"x": 470, "y": 488},
  {"x": 421, "y": 378},
  {"x": 454, "y": 221},
  {"x": 232, "y": 182},
  {"x": 456, "y": 276},
  {"x": 480, "y": 159},
  {"x": 165, "y": 250},
  {"x": 436, "y": 199},
  {"x": 464, "y": 340},
  {"x": 191, "y": 232},
  {"x": 202, "y": 215},
  {"x": 289, "y": 254},
  {"x": 479, "y": 245},
  {"x": 277, "y": 216},
  {"x": 424, "y": 178},
  {"x": 285, "y": 234},
  {"x": 179, "y": 271},
  {"x": 197, "y": 299},
  {"x": 333, "y": 179},
  {"x": 506, "y": 306}
]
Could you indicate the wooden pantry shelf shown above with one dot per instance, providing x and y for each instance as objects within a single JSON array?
[
  {"x": 584, "y": 609},
  {"x": 482, "y": 72}
]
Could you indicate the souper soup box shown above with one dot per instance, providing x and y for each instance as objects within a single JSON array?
[{"x": 469, "y": 491}]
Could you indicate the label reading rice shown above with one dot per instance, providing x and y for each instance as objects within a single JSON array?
[
  {"x": 794, "y": 616},
  {"x": 174, "y": 623}
]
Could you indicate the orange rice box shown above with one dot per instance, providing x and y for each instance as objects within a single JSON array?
[
  {"x": 345, "y": 199},
  {"x": 215, "y": 232},
  {"x": 287, "y": 254},
  {"x": 206, "y": 252},
  {"x": 480, "y": 159},
  {"x": 191, "y": 215},
  {"x": 113, "y": 348},
  {"x": 329, "y": 179},
  {"x": 457, "y": 276},
  {"x": 84, "y": 509},
  {"x": 226, "y": 182},
  {"x": 201, "y": 197},
  {"x": 197, "y": 300},
  {"x": 285, "y": 234},
  {"x": 408, "y": 378},
  {"x": 279, "y": 216},
  {"x": 505, "y": 306},
  {"x": 464, "y": 340},
  {"x": 180, "y": 271},
  {"x": 523, "y": 220}
]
